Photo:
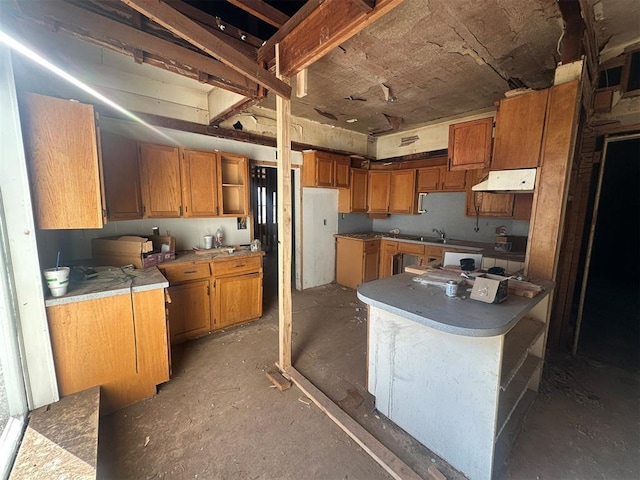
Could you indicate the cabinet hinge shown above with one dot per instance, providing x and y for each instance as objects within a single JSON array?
[
  {"x": 144, "y": 209},
  {"x": 105, "y": 213}
]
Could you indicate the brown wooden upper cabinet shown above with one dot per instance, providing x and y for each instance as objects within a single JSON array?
[
  {"x": 63, "y": 157},
  {"x": 379, "y": 192},
  {"x": 402, "y": 197},
  {"x": 160, "y": 181},
  {"x": 354, "y": 199},
  {"x": 121, "y": 177},
  {"x": 234, "y": 185},
  {"x": 470, "y": 144},
  {"x": 439, "y": 179},
  {"x": 519, "y": 126},
  {"x": 323, "y": 169},
  {"x": 199, "y": 183},
  {"x": 192, "y": 183}
]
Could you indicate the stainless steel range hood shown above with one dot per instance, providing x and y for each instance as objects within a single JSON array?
[{"x": 508, "y": 181}]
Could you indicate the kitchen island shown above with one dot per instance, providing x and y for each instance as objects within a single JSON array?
[{"x": 457, "y": 374}]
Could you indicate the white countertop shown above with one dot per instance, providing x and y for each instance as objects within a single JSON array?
[
  {"x": 428, "y": 305},
  {"x": 111, "y": 281}
]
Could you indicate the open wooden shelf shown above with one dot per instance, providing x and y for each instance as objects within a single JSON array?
[
  {"x": 517, "y": 345},
  {"x": 517, "y": 388},
  {"x": 511, "y": 429}
]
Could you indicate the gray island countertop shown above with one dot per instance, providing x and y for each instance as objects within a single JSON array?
[
  {"x": 111, "y": 281},
  {"x": 428, "y": 305}
]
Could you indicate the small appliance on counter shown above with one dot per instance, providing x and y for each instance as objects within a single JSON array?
[{"x": 510, "y": 243}]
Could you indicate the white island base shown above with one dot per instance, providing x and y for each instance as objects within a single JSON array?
[{"x": 463, "y": 397}]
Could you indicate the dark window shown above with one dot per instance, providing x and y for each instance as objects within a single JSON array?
[
  {"x": 610, "y": 77},
  {"x": 634, "y": 73}
]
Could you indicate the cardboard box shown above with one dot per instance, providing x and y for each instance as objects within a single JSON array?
[
  {"x": 122, "y": 250},
  {"x": 510, "y": 243},
  {"x": 168, "y": 252},
  {"x": 490, "y": 288}
]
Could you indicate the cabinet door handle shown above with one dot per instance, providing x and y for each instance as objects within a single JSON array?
[
  {"x": 240, "y": 265},
  {"x": 190, "y": 271}
]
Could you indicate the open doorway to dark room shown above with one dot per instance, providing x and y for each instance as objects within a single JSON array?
[
  {"x": 610, "y": 327},
  {"x": 264, "y": 202}
]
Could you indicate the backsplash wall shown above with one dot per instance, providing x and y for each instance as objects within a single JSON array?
[
  {"x": 447, "y": 211},
  {"x": 75, "y": 245}
]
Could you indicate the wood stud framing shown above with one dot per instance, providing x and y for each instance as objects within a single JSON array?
[{"x": 187, "y": 29}]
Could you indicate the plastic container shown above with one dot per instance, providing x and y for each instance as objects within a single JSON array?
[
  {"x": 57, "y": 280},
  {"x": 219, "y": 240}
]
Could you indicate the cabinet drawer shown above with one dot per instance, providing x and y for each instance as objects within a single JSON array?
[
  {"x": 236, "y": 265},
  {"x": 185, "y": 273},
  {"x": 431, "y": 251},
  {"x": 390, "y": 245},
  {"x": 371, "y": 246},
  {"x": 412, "y": 248}
]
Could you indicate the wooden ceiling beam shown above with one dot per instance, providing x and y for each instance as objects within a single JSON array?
[
  {"x": 109, "y": 33},
  {"x": 263, "y": 11},
  {"x": 327, "y": 26},
  {"x": 267, "y": 52},
  {"x": 215, "y": 23},
  {"x": 185, "y": 28}
]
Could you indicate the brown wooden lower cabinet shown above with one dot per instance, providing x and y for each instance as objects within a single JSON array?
[
  {"x": 356, "y": 261},
  {"x": 237, "y": 299},
  {"x": 189, "y": 311},
  {"x": 209, "y": 295},
  {"x": 118, "y": 342}
]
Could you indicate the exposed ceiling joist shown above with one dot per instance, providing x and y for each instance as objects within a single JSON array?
[
  {"x": 263, "y": 11},
  {"x": 110, "y": 33},
  {"x": 267, "y": 52},
  {"x": 216, "y": 23},
  {"x": 185, "y": 28},
  {"x": 332, "y": 23}
]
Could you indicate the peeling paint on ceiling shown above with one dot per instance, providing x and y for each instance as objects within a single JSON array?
[{"x": 439, "y": 58}]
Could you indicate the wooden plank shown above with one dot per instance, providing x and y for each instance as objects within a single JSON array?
[
  {"x": 263, "y": 11},
  {"x": 278, "y": 380},
  {"x": 283, "y": 119},
  {"x": 301, "y": 83},
  {"x": 364, "y": 5},
  {"x": 106, "y": 32},
  {"x": 552, "y": 183},
  {"x": 267, "y": 52},
  {"x": 197, "y": 35},
  {"x": 333, "y": 22},
  {"x": 381, "y": 454}
]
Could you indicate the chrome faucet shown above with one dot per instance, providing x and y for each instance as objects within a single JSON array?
[{"x": 443, "y": 236}]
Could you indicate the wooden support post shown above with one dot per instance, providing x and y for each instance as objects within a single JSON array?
[
  {"x": 283, "y": 118},
  {"x": 301, "y": 83}
]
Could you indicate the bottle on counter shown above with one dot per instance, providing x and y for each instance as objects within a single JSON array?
[{"x": 219, "y": 238}]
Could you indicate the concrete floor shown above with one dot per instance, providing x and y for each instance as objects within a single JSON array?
[{"x": 219, "y": 417}]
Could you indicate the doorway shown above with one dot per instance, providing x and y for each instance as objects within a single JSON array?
[
  {"x": 609, "y": 327},
  {"x": 264, "y": 202}
]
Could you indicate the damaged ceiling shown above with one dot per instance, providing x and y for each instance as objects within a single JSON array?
[{"x": 421, "y": 61}]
